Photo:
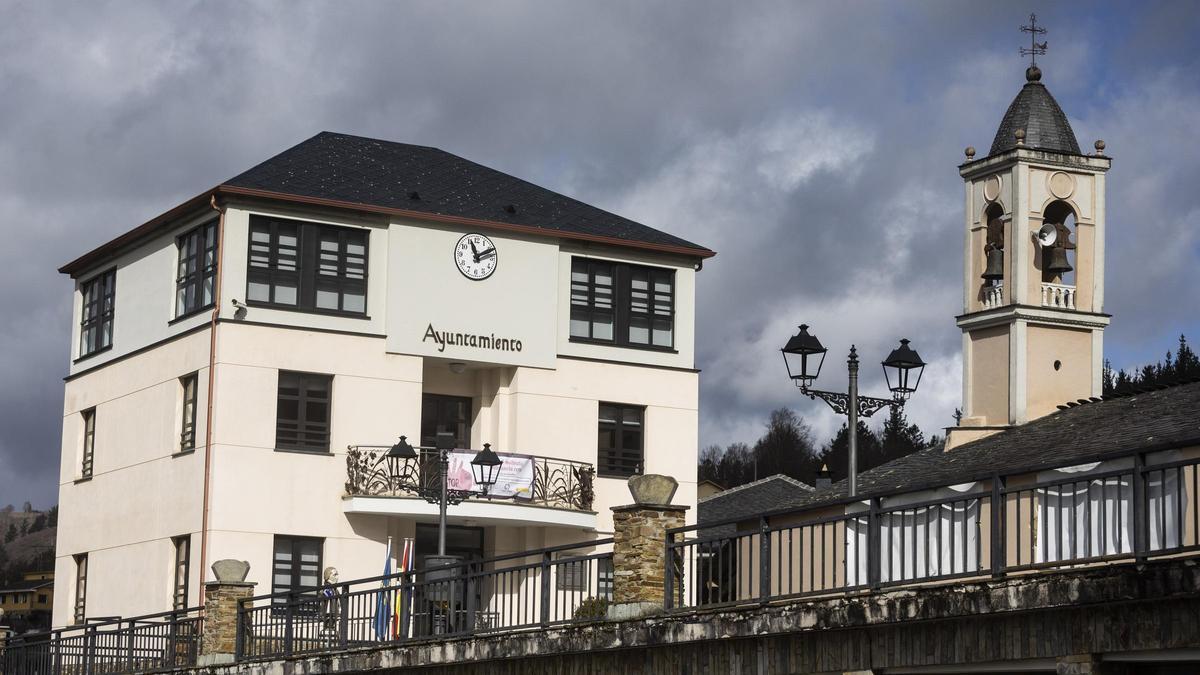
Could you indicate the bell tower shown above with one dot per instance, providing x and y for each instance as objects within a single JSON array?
[{"x": 1033, "y": 275}]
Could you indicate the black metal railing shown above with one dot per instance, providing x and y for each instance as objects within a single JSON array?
[
  {"x": 558, "y": 483},
  {"x": 1005, "y": 524},
  {"x": 135, "y": 645},
  {"x": 535, "y": 589}
]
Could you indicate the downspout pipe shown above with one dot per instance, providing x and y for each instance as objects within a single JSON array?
[{"x": 212, "y": 362}]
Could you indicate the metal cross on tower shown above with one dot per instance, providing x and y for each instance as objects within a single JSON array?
[{"x": 1034, "y": 49}]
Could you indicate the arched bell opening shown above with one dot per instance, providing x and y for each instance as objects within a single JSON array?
[
  {"x": 993, "y": 246},
  {"x": 1056, "y": 245}
]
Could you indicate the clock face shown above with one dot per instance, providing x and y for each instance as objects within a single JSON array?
[{"x": 475, "y": 256}]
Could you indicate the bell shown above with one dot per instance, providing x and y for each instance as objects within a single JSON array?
[
  {"x": 995, "y": 264},
  {"x": 1056, "y": 260}
]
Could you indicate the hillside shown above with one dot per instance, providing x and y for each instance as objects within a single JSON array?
[{"x": 26, "y": 542}]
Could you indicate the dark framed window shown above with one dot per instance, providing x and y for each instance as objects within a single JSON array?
[
  {"x": 89, "y": 443},
  {"x": 604, "y": 577},
  {"x": 181, "y": 570},
  {"x": 622, "y": 304},
  {"x": 187, "y": 429},
  {"x": 197, "y": 270},
  {"x": 81, "y": 572},
  {"x": 96, "y": 315},
  {"x": 620, "y": 443},
  {"x": 302, "y": 417},
  {"x": 296, "y": 564},
  {"x": 440, "y": 414},
  {"x": 307, "y": 266}
]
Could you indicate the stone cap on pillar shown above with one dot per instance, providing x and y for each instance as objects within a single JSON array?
[
  {"x": 230, "y": 572},
  {"x": 652, "y": 489}
]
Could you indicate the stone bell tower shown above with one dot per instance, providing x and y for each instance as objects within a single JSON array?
[{"x": 1033, "y": 271}]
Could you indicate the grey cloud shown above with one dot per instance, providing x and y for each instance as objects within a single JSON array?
[{"x": 113, "y": 112}]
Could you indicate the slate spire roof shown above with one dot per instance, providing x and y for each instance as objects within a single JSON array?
[
  {"x": 393, "y": 175},
  {"x": 1035, "y": 110}
]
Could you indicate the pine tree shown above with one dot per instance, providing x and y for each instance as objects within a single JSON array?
[
  {"x": 11, "y": 534},
  {"x": 899, "y": 438}
]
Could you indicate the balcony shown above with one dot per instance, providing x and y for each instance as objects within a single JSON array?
[
  {"x": 1059, "y": 296},
  {"x": 992, "y": 296},
  {"x": 533, "y": 489}
]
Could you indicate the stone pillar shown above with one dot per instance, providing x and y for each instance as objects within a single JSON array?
[
  {"x": 218, "y": 642},
  {"x": 639, "y": 540}
]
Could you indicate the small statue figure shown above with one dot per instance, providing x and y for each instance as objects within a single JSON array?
[{"x": 331, "y": 606}]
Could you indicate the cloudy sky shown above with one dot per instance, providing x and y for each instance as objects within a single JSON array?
[{"x": 813, "y": 145}]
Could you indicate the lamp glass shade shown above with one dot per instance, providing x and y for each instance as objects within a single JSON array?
[
  {"x": 903, "y": 369},
  {"x": 402, "y": 450},
  {"x": 803, "y": 356},
  {"x": 485, "y": 468}
]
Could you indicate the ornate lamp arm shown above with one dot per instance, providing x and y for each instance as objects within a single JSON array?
[{"x": 867, "y": 405}]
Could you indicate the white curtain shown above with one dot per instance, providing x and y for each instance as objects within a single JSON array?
[
  {"x": 918, "y": 542},
  {"x": 1091, "y": 517}
]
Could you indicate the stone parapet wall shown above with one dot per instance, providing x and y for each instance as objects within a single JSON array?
[{"x": 1067, "y": 621}]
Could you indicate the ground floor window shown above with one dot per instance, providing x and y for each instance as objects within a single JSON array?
[{"x": 296, "y": 566}]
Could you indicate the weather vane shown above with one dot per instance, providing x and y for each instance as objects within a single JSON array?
[{"x": 1034, "y": 48}]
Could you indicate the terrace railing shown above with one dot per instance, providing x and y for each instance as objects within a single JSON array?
[
  {"x": 1002, "y": 525},
  {"x": 557, "y": 483},
  {"x": 136, "y": 645},
  {"x": 531, "y": 590}
]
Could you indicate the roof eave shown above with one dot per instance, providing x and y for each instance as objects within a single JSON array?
[
  {"x": 146, "y": 229},
  {"x": 89, "y": 259},
  {"x": 233, "y": 190}
]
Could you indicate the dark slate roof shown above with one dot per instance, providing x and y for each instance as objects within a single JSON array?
[
  {"x": 768, "y": 494},
  {"x": 1035, "y": 110},
  {"x": 27, "y": 585},
  {"x": 385, "y": 174},
  {"x": 1157, "y": 419}
]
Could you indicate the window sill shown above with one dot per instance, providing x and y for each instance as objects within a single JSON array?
[
  {"x": 91, "y": 354},
  {"x": 308, "y": 310},
  {"x": 297, "y": 451},
  {"x": 188, "y": 315},
  {"x": 184, "y": 453},
  {"x": 623, "y": 345},
  {"x": 616, "y": 476},
  {"x": 82, "y": 480}
]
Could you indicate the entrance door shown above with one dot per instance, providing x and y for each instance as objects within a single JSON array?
[
  {"x": 443, "y": 607},
  {"x": 441, "y": 414}
]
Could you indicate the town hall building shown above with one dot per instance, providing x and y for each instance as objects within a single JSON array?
[{"x": 242, "y": 363}]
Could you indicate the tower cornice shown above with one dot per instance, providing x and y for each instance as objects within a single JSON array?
[{"x": 987, "y": 165}]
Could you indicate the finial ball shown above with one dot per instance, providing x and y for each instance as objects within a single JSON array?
[
  {"x": 1099, "y": 147},
  {"x": 970, "y": 152},
  {"x": 1033, "y": 74},
  {"x": 1020, "y": 136}
]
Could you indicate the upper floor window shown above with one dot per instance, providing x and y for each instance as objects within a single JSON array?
[
  {"x": 622, "y": 304},
  {"x": 302, "y": 417},
  {"x": 183, "y": 546},
  {"x": 187, "y": 429},
  {"x": 620, "y": 440},
  {"x": 81, "y": 571},
  {"x": 96, "y": 314},
  {"x": 89, "y": 443},
  {"x": 197, "y": 269},
  {"x": 307, "y": 266}
]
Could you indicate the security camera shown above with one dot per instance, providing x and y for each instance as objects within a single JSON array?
[{"x": 237, "y": 305}]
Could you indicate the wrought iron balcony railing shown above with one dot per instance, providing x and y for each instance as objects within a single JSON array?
[{"x": 557, "y": 483}]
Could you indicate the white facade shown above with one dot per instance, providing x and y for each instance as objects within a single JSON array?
[{"x": 542, "y": 400}]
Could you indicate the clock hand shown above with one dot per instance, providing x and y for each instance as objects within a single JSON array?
[
  {"x": 490, "y": 253},
  {"x": 474, "y": 251}
]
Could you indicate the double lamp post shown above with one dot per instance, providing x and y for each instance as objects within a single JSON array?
[{"x": 803, "y": 356}]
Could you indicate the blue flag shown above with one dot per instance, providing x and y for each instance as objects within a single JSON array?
[{"x": 383, "y": 603}]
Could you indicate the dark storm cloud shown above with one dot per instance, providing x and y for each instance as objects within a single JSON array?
[{"x": 813, "y": 145}]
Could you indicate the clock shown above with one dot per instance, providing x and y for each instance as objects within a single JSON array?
[{"x": 475, "y": 256}]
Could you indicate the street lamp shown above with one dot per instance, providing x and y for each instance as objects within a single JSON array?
[
  {"x": 803, "y": 356},
  {"x": 485, "y": 469}
]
